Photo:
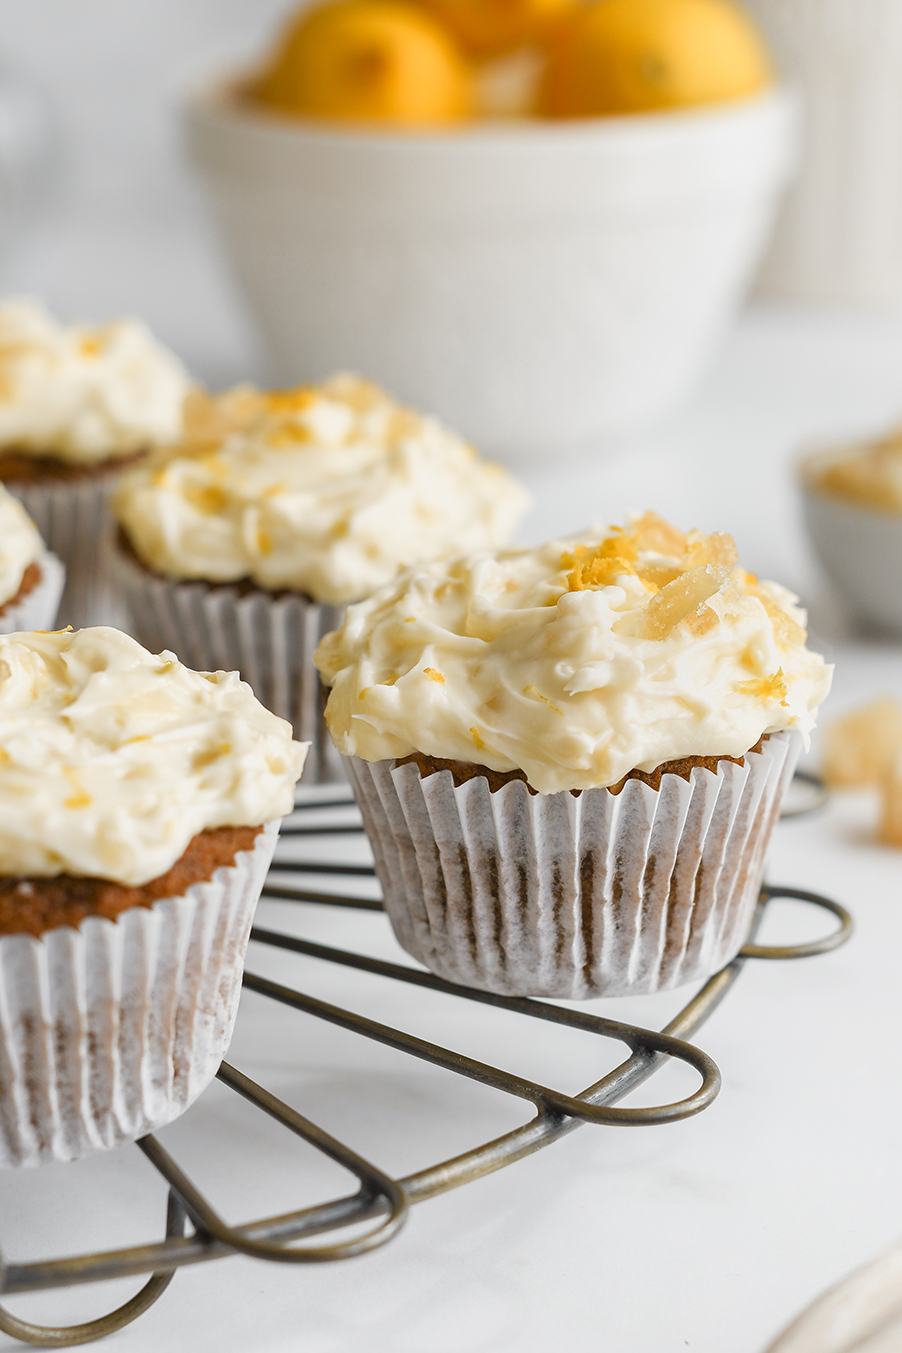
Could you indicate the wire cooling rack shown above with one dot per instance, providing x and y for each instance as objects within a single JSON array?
[{"x": 369, "y": 1217}]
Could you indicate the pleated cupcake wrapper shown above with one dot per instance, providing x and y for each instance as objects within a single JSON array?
[
  {"x": 37, "y": 609},
  {"x": 112, "y": 1030},
  {"x": 74, "y": 522},
  {"x": 568, "y": 895},
  {"x": 269, "y": 638}
]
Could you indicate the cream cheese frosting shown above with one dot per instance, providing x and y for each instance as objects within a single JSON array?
[
  {"x": 81, "y": 394},
  {"x": 113, "y": 758},
  {"x": 575, "y": 662},
  {"x": 329, "y": 491},
  {"x": 20, "y": 545}
]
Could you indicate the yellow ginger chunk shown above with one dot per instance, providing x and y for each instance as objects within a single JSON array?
[
  {"x": 772, "y": 687},
  {"x": 680, "y": 598},
  {"x": 889, "y": 829},
  {"x": 700, "y": 622},
  {"x": 653, "y": 533},
  {"x": 787, "y": 633},
  {"x": 719, "y": 549},
  {"x": 860, "y": 746}
]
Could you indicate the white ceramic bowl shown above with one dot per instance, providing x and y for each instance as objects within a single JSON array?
[
  {"x": 538, "y": 285},
  {"x": 861, "y": 551}
]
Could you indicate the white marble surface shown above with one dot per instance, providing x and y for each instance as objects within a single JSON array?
[{"x": 708, "y": 1235}]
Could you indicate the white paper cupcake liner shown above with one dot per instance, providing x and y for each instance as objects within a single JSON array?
[
  {"x": 268, "y": 637},
  {"x": 568, "y": 895},
  {"x": 37, "y": 609},
  {"x": 73, "y": 520},
  {"x": 112, "y": 1030}
]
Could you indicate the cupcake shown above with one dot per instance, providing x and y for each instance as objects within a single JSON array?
[
  {"x": 240, "y": 549},
  {"x": 570, "y": 759},
  {"x": 31, "y": 578},
  {"x": 139, "y": 810},
  {"x": 76, "y": 405}
]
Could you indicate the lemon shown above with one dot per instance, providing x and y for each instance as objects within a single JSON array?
[
  {"x": 634, "y": 56},
  {"x": 490, "y": 27},
  {"x": 368, "y": 60}
]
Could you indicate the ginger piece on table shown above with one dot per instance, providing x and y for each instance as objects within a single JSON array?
[
  {"x": 860, "y": 746},
  {"x": 889, "y": 830}
]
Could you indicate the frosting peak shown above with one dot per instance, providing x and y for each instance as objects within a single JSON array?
[
  {"x": 575, "y": 662},
  {"x": 83, "y": 394},
  {"x": 329, "y": 491},
  {"x": 113, "y": 758}
]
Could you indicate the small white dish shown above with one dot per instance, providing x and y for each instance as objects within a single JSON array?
[
  {"x": 861, "y": 1314},
  {"x": 539, "y": 285},
  {"x": 860, "y": 549}
]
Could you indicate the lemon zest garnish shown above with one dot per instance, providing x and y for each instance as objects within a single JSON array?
[
  {"x": 772, "y": 687},
  {"x": 81, "y": 798},
  {"x": 531, "y": 690},
  {"x": 480, "y": 745},
  {"x": 433, "y": 675}
]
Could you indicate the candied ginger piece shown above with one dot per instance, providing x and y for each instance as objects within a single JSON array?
[
  {"x": 788, "y": 633},
  {"x": 679, "y": 599},
  {"x": 702, "y": 621},
  {"x": 718, "y": 549},
  {"x": 889, "y": 829},
  {"x": 859, "y": 747},
  {"x": 771, "y": 687},
  {"x": 653, "y": 533}
]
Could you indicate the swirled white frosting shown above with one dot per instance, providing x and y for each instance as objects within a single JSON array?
[
  {"x": 20, "y": 544},
  {"x": 80, "y": 394},
  {"x": 112, "y": 758},
  {"x": 328, "y": 491},
  {"x": 575, "y": 662}
]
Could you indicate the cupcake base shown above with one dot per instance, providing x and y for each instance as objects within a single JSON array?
[
  {"x": 269, "y": 637},
  {"x": 574, "y": 896},
  {"x": 71, "y": 514},
  {"x": 112, "y": 1030},
  {"x": 35, "y": 607}
]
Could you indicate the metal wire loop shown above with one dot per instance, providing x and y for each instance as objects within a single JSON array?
[
  {"x": 374, "y": 1184},
  {"x": 67, "y": 1336},
  {"x": 810, "y": 950}
]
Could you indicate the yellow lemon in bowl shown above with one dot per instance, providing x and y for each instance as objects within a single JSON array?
[
  {"x": 636, "y": 56},
  {"x": 368, "y": 61},
  {"x": 490, "y": 27}
]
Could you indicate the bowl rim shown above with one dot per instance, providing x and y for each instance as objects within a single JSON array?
[
  {"x": 217, "y": 98},
  {"x": 851, "y": 505}
]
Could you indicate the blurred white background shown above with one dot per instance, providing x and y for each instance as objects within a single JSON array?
[{"x": 126, "y": 231}]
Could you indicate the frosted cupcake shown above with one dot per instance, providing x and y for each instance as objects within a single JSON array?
[
  {"x": 31, "y": 578},
  {"x": 139, "y": 810},
  {"x": 241, "y": 550},
  {"x": 76, "y": 404},
  {"x": 570, "y": 759}
]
